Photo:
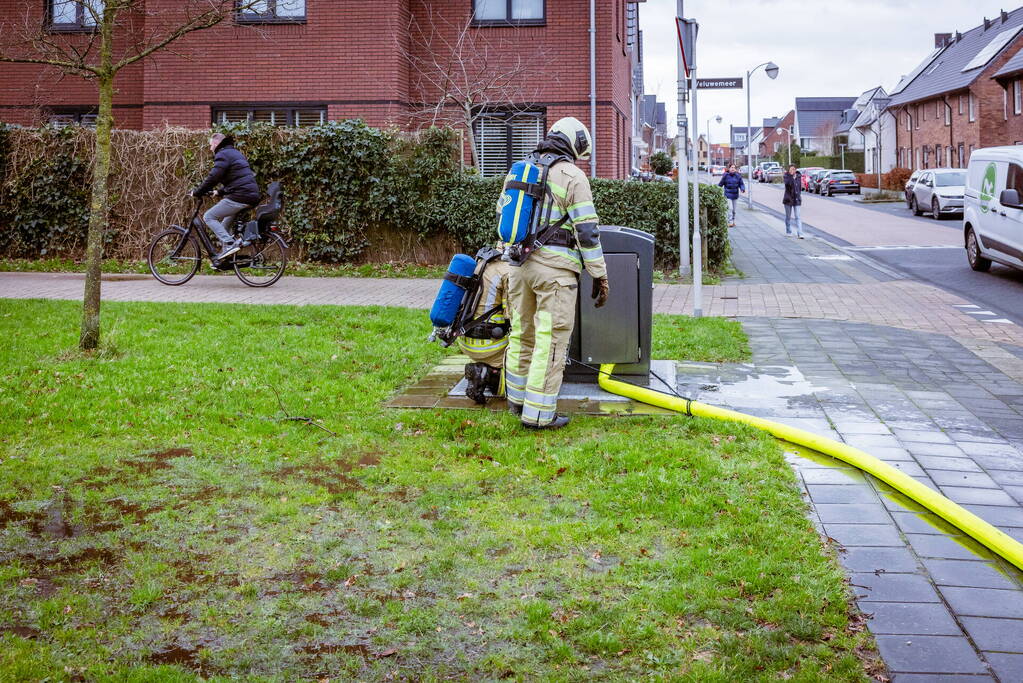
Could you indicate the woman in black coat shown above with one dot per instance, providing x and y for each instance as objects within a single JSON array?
[{"x": 793, "y": 200}]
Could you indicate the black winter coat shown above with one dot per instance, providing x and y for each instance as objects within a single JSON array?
[
  {"x": 793, "y": 190},
  {"x": 231, "y": 169},
  {"x": 732, "y": 183}
]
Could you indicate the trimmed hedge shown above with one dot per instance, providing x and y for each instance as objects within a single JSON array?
[
  {"x": 344, "y": 181},
  {"x": 853, "y": 161}
]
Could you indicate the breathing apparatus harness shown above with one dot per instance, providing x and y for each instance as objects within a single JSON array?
[
  {"x": 478, "y": 327},
  {"x": 541, "y": 230}
]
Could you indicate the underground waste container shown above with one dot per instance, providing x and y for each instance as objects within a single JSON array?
[{"x": 619, "y": 332}]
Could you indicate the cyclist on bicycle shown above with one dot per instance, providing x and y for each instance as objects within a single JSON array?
[{"x": 240, "y": 191}]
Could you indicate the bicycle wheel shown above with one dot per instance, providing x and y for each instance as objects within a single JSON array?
[
  {"x": 261, "y": 263},
  {"x": 174, "y": 257}
]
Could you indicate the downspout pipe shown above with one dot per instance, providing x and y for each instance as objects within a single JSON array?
[
  {"x": 593, "y": 88},
  {"x": 951, "y": 125}
]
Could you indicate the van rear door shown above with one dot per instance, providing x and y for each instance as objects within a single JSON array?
[{"x": 1011, "y": 218}]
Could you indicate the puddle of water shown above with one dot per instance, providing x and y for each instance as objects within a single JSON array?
[
  {"x": 768, "y": 387},
  {"x": 181, "y": 656}
]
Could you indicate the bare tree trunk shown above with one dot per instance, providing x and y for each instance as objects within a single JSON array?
[
  {"x": 467, "y": 113},
  {"x": 99, "y": 205}
]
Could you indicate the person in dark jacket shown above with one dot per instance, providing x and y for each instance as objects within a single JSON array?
[
  {"x": 240, "y": 191},
  {"x": 732, "y": 182},
  {"x": 793, "y": 199}
]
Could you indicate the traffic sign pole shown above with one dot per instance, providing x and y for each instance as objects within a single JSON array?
[{"x": 682, "y": 156}]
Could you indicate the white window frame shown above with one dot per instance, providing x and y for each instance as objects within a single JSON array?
[
  {"x": 270, "y": 16},
  {"x": 972, "y": 102},
  {"x": 84, "y": 19},
  {"x": 948, "y": 113},
  {"x": 290, "y": 114},
  {"x": 1017, "y": 97}
]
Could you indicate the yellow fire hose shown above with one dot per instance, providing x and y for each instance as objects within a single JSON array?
[{"x": 975, "y": 527}]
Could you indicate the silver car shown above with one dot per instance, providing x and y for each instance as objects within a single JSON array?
[{"x": 939, "y": 191}]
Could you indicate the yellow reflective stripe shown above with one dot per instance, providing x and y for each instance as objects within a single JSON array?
[
  {"x": 541, "y": 349},
  {"x": 480, "y": 345},
  {"x": 565, "y": 252},
  {"x": 557, "y": 190},
  {"x": 518, "y": 206}
]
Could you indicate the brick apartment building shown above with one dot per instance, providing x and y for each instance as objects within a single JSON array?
[
  {"x": 302, "y": 62},
  {"x": 965, "y": 95},
  {"x": 777, "y": 135}
]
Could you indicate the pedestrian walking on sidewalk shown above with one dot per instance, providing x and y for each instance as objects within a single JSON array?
[
  {"x": 793, "y": 200},
  {"x": 731, "y": 181}
]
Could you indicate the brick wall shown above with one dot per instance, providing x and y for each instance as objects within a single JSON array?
[
  {"x": 351, "y": 57},
  {"x": 776, "y": 136},
  {"x": 917, "y": 148}
]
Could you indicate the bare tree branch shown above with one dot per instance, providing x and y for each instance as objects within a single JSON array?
[{"x": 459, "y": 73}]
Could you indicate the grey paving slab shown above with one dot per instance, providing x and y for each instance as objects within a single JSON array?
[
  {"x": 984, "y": 602},
  {"x": 932, "y": 464},
  {"x": 977, "y": 496},
  {"x": 923, "y": 523},
  {"x": 976, "y": 480},
  {"x": 865, "y": 534},
  {"x": 872, "y": 559},
  {"x": 940, "y": 678},
  {"x": 971, "y": 574},
  {"x": 947, "y": 547},
  {"x": 833, "y": 476},
  {"x": 930, "y": 654},
  {"x": 906, "y": 618},
  {"x": 1001, "y": 516},
  {"x": 838, "y": 493},
  {"x": 1007, "y": 478},
  {"x": 888, "y": 587},
  {"x": 997, "y": 635},
  {"x": 1008, "y": 667},
  {"x": 853, "y": 513}
]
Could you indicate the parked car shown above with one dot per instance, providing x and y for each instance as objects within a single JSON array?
[
  {"x": 717, "y": 170},
  {"x": 939, "y": 191},
  {"x": 839, "y": 181},
  {"x": 993, "y": 215},
  {"x": 814, "y": 182},
  {"x": 805, "y": 174},
  {"x": 910, "y": 184},
  {"x": 744, "y": 171},
  {"x": 763, "y": 170}
]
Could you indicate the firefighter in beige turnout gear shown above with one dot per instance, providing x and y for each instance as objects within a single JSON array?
[
  {"x": 484, "y": 350},
  {"x": 543, "y": 289}
]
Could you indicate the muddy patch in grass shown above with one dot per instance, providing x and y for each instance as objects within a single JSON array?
[
  {"x": 332, "y": 475},
  {"x": 159, "y": 460}
]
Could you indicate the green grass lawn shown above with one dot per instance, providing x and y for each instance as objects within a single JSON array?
[{"x": 161, "y": 520}]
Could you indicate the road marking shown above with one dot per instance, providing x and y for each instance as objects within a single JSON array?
[
  {"x": 965, "y": 306},
  {"x": 1003, "y": 321},
  {"x": 832, "y": 257}
]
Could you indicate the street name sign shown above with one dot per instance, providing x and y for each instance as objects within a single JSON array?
[{"x": 719, "y": 83}]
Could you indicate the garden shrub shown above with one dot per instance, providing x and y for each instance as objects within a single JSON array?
[{"x": 342, "y": 181}]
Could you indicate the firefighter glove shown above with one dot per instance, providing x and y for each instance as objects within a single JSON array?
[{"x": 600, "y": 291}]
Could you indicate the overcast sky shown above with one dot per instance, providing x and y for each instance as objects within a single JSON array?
[{"x": 822, "y": 48}]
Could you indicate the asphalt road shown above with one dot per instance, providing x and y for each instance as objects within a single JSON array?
[{"x": 999, "y": 291}]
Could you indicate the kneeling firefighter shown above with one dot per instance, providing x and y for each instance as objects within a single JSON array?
[
  {"x": 485, "y": 343},
  {"x": 543, "y": 287},
  {"x": 470, "y": 308}
]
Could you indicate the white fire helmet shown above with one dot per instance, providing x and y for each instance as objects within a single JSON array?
[{"x": 577, "y": 135}]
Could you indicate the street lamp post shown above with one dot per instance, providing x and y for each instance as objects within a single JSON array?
[
  {"x": 842, "y": 147},
  {"x": 788, "y": 146},
  {"x": 771, "y": 69}
]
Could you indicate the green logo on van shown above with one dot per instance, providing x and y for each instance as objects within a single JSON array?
[{"x": 987, "y": 187}]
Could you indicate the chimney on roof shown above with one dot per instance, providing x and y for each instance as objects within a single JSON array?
[
  {"x": 987, "y": 23},
  {"x": 1005, "y": 16},
  {"x": 959, "y": 36},
  {"x": 942, "y": 39}
]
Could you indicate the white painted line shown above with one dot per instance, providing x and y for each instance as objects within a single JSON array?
[
  {"x": 891, "y": 247},
  {"x": 965, "y": 306},
  {"x": 982, "y": 313},
  {"x": 1003, "y": 321}
]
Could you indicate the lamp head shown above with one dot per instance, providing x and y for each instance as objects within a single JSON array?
[
  {"x": 772, "y": 70},
  {"x": 718, "y": 119}
]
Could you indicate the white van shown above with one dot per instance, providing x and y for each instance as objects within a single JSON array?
[{"x": 993, "y": 216}]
